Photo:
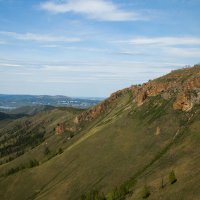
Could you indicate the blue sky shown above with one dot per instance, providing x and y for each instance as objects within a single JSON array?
[{"x": 93, "y": 47}]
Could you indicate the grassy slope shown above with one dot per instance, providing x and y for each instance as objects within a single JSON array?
[
  {"x": 113, "y": 150},
  {"x": 183, "y": 157},
  {"x": 7, "y": 116},
  {"x": 117, "y": 146},
  {"x": 48, "y": 120}
]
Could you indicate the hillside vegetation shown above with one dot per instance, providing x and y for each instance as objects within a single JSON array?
[{"x": 141, "y": 142}]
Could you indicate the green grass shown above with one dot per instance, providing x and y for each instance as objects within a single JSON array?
[
  {"x": 119, "y": 149},
  {"x": 105, "y": 147}
]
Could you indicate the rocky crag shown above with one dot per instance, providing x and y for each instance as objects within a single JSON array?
[{"x": 181, "y": 85}]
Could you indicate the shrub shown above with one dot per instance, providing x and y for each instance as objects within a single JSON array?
[
  {"x": 145, "y": 192},
  {"x": 33, "y": 163},
  {"x": 60, "y": 150},
  {"x": 162, "y": 183},
  {"x": 14, "y": 170},
  {"x": 172, "y": 177},
  {"x": 46, "y": 151}
]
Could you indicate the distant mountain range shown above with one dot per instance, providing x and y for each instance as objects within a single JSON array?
[{"x": 15, "y": 101}]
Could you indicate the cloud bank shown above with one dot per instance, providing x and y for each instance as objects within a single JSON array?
[
  {"x": 164, "y": 41},
  {"x": 102, "y": 10}
]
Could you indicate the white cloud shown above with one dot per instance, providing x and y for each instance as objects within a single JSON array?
[
  {"x": 39, "y": 37},
  {"x": 102, "y": 10},
  {"x": 184, "y": 52},
  {"x": 9, "y": 65},
  {"x": 163, "y": 41}
]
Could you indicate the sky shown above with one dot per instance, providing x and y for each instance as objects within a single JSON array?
[{"x": 91, "y": 48}]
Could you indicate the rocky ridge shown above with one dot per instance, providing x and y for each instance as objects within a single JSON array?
[{"x": 182, "y": 85}]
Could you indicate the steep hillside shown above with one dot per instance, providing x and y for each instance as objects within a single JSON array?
[
  {"x": 127, "y": 143},
  {"x": 4, "y": 116},
  {"x": 21, "y": 135}
]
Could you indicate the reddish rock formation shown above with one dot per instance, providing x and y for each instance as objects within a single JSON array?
[
  {"x": 190, "y": 94},
  {"x": 59, "y": 129},
  {"x": 182, "y": 103},
  {"x": 149, "y": 89},
  {"x": 100, "y": 108},
  {"x": 184, "y": 84},
  {"x": 192, "y": 83}
]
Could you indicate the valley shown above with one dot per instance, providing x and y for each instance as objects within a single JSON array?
[{"x": 12, "y": 102}]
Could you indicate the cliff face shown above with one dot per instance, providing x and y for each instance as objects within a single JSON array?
[
  {"x": 182, "y": 84},
  {"x": 189, "y": 94},
  {"x": 140, "y": 94}
]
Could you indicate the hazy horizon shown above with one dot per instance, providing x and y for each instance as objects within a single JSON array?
[{"x": 87, "y": 97}]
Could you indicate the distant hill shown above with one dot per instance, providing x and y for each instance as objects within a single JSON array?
[
  {"x": 4, "y": 116},
  {"x": 141, "y": 142},
  {"x": 15, "y": 101},
  {"x": 28, "y": 110}
]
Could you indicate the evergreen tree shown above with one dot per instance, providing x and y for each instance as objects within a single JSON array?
[
  {"x": 145, "y": 192},
  {"x": 162, "y": 183},
  {"x": 60, "y": 150},
  {"x": 46, "y": 151},
  {"x": 33, "y": 163},
  {"x": 172, "y": 177}
]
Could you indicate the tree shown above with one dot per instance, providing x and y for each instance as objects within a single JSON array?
[
  {"x": 172, "y": 177},
  {"x": 83, "y": 197},
  {"x": 60, "y": 150},
  {"x": 33, "y": 163},
  {"x": 46, "y": 151},
  {"x": 124, "y": 190},
  {"x": 102, "y": 196},
  {"x": 145, "y": 192},
  {"x": 162, "y": 183}
]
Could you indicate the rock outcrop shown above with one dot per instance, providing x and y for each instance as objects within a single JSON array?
[
  {"x": 158, "y": 131},
  {"x": 189, "y": 95},
  {"x": 183, "y": 102},
  {"x": 59, "y": 129},
  {"x": 152, "y": 88},
  {"x": 94, "y": 112},
  {"x": 182, "y": 84},
  {"x": 185, "y": 86}
]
